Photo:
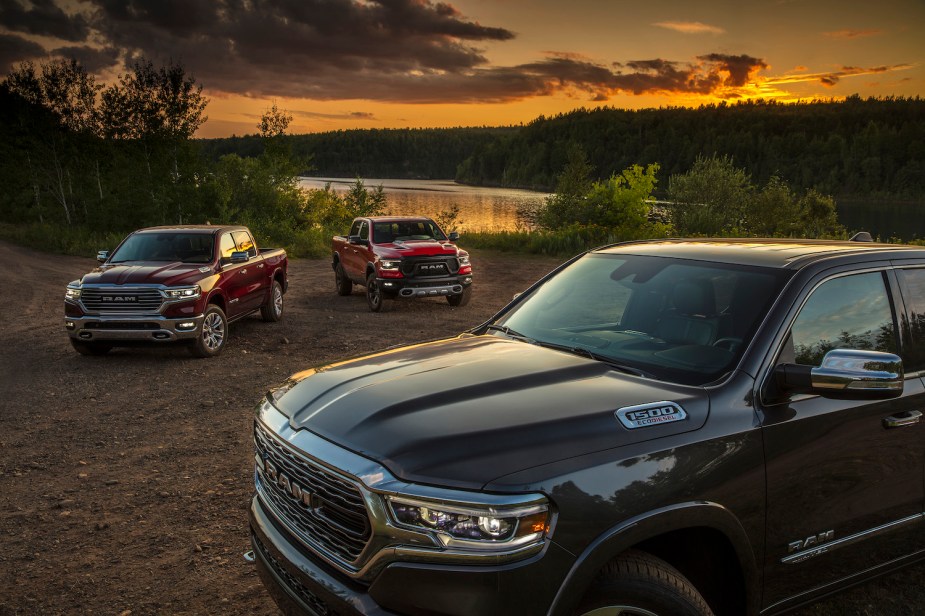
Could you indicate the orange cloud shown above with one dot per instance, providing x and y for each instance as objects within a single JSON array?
[
  {"x": 850, "y": 33},
  {"x": 690, "y": 27}
]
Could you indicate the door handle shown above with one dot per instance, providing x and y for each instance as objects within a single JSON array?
[
  {"x": 260, "y": 266},
  {"x": 243, "y": 271},
  {"x": 906, "y": 418}
]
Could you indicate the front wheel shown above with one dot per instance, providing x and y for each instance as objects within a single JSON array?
[
  {"x": 213, "y": 335},
  {"x": 272, "y": 311},
  {"x": 639, "y": 584},
  {"x": 374, "y": 295},
  {"x": 90, "y": 348},
  {"x": 460, "y": 299}
]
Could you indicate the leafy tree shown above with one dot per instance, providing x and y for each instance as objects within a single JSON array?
[
  {"x": 817, "y": 215},
  {"x": 773, "y": 211},
  {"x": 711, "y": 198}
]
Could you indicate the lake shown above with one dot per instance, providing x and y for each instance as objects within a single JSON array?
[
  {"x": 481, "y": 208},
  {"x": 495, "y": 209}
]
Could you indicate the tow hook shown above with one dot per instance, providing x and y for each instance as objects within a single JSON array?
[{"x": 249, "y": 556}]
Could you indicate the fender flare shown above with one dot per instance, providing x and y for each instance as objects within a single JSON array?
[{"x": 694, "y": 514}]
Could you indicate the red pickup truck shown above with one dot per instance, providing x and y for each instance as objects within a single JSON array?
[
  {"x": 166, "y": 284},
  {"x": 401, "y": 257}
]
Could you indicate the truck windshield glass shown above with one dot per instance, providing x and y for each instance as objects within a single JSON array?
[
  {"x": 679, "y": 320},
  {"x": 169, "y": 247},
  {"x": 406, "y": 230}
]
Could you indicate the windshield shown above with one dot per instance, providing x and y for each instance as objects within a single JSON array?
[
  {"x": 167, "y": 246},
  {"x": 672, "y": 319},
  {"x": 405, "y": 231}
]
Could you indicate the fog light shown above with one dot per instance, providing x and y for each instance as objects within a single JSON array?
[
  {"x": 468, "y": 279},
  {"x": 186, "y": 325},
  {"x": 69, "y": 324}
]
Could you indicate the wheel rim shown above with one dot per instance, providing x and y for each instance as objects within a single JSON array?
[
  {"x": 372, "y": 290},
  {"x": 213, "y": 331},
  {"x": 619, "y": 610},
  {"x": 278, "y": 300}
]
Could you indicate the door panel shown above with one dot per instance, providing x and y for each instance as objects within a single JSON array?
[{"x": 845, "y": 492}]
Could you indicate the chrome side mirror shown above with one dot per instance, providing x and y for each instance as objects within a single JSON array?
[
  {"x": 102, "y": 255},
  {"x": 845, "y": 373}
]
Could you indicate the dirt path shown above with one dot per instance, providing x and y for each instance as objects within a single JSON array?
[{"x": 125, "y": 480}]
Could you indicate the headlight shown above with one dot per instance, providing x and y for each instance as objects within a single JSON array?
[
  {"x": 463, "y": 260},
  {"x": 72, "y": 293},
  {"x": 474, "y": 526},
  {"x": 389, "y": 264},
  {"x": 183, "y": 293}
]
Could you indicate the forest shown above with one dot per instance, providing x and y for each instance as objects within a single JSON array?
[
  {"x": 858, "y": 147},
  {"x": 410, "y": 153}
]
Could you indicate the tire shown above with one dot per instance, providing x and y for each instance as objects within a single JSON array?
[
  {"x": 272, "y": 311},
  {"x": 377, "y": 300},
  {"x": 213, "y": 334},
  {"x": 461, "y": 299},
  {"x": 342, "y": 281},
  {"x": 639, "y": 584},
  {"x": 90, "y": 348}
]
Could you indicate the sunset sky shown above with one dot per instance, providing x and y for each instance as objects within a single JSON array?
[{"x": 338, "y": 64}]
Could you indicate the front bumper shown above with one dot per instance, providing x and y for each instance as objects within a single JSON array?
[
  {"x": 128, "y": 328},
  {"x": 300, "y": 584},
  {"x": 408, "y": 288}
]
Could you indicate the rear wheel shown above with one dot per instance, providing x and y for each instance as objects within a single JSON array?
[
  {"x": 460, "y": 299},
  {"x": 374, "y": 296},
  {"x": 639, "y": 584},
  {"x": 213, "y": 335},
  {"x": 90, "y": 348},
  {"x": 272, "y": 311},
  {"x": 342, "y": 281}
]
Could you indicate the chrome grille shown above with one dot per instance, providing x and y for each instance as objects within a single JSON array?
[
  {"x": 121, "y": 300},
  {"x": 336, "y": 520}
]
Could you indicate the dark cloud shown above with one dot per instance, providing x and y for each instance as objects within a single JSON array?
[
  {"x": 91, "y": 58},
  {"x": 15, "y": 49},
  {"x": 738, "y": 67},
  {"x": 43, "y": 17},
  {"x": 418, "y": 51},
  {"x": 349, "y": 115}
]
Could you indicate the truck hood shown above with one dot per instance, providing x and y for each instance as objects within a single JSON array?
[
  {"x": 464, "y": 411},
  {"x": 417, "y": 248},
  {"x": 148, "y": 272}
]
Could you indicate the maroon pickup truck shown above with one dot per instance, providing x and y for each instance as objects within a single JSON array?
[
  {"x": 166, "y": 284},
  {"x": 401, "y": 257}
]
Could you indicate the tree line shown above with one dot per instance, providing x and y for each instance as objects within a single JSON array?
[
  {"x": 855, "y": 147},
  {"x": 419, "y": 153}
]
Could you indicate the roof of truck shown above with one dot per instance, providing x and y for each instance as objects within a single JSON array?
[
  {"x": 194, "y": 228},
  {"x": 783, "y": 253}
]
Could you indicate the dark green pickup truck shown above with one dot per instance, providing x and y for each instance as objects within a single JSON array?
[{"x": 667, "y": 427}]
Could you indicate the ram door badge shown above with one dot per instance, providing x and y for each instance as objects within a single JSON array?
[{"x": 651, "y": 414}]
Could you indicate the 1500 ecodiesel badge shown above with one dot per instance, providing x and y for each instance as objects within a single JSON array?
[{"x": 668, "y": 427}]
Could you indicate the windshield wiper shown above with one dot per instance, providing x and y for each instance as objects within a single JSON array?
[
  {"x": 576, "y": 350},
  {"x": 510, "y": 333}
]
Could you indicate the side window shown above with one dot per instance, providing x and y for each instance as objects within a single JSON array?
[
  {"x": 355, "y": 228},
  {"x": 364, "y": 231},
  {"x": 226, "y": 246},
  {"x": 245, "y": 243},
  {"x": 850, "y": 312},
  {"x": 913, "y": 288}
]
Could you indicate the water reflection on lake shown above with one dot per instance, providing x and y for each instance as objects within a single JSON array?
[{"x": 481, "y": 209}]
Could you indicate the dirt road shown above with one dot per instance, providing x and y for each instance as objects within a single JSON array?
[{"x": 125, "y": 479}]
